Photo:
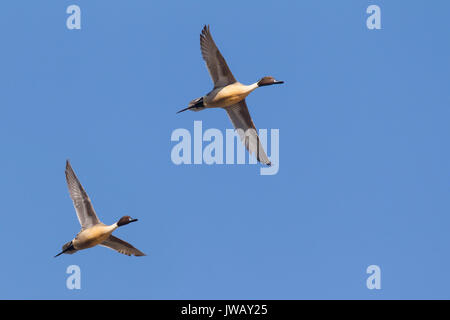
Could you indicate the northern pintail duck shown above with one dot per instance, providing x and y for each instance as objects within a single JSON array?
[
  {"x": 230, "y": 95},
  {"x": 93, "y": 231}
]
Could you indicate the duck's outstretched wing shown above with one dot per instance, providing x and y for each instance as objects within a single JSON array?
[
  {"x": 217, "y": 66},
  {"x": 243, "y": 123},
  {"x": 83, "y": 206},
  {"x": 121, "y": 246}
]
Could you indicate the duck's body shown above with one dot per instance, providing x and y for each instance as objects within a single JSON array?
[
  {"x": 93, "y": 231},
  {"x": 230, "y": 95},
  {"x": 93, "y": 236}
]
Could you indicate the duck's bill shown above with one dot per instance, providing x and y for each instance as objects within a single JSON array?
[
  {"x": 133, "y": 220},
  {"x": 278, "y": 82}
]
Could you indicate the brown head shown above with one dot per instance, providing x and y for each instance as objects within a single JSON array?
[
  {"x": 267, "y": 81},
  {"x": 125, "y": 220}
]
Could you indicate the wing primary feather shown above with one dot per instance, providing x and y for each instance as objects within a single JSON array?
[
  {"x": 243, "y": 123},
  {"x": 83, "y": 206}
]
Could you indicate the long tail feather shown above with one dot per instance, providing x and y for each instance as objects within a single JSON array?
[
  {"x": 67, "y": 248},
  {"x": 194, "y": 105}
]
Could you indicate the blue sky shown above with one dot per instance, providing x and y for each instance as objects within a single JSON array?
[{"x": 364, "y": 158}]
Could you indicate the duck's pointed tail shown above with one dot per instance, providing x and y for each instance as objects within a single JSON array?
[
  {"x": 67, "y": 248},
  {"x": 195, "y": 105}
]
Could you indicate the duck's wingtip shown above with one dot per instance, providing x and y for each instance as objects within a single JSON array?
[
  {"x": 140, "y": 255},
  {"x": 265, "y": 162},
  {"x": 205, "y": 28}
]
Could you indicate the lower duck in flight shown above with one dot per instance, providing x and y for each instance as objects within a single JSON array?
[
  {"x": 93, "y": 231},
  {"x": 230, "y": 95}
]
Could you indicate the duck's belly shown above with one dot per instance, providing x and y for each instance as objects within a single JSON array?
[
  {"x": 225, "y": 97},
  {"x": 91, "y": 237}
]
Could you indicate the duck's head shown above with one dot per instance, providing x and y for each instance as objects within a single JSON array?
[
  {"x": 125, "y": 220},
  {"x": 267, "y": 81}
]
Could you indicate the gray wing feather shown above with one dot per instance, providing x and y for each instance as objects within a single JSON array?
[
  {"x": 83, "y": 206},
  {"x": 121, "y": 246},
  {"x": 217, "y": 66},
  {"x": 241, "y": 119}
]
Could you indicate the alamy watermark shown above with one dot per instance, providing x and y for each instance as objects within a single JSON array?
[
  {"x": 373, "y": 22},
  {"x": 74, "y": 20},
  {"x": 191, "y": 150},
  {"x": 374, "y": 280},
  {"x": 74, "y": 280}
]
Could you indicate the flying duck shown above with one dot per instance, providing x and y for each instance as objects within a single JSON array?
[
  {"x": 230, "y": 95},
  {"x": 93, "y": 231}
]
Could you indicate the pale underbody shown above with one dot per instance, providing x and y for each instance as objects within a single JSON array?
[
  {"x": 93, "y": 236},
  {"x": 228, "y": 95}
]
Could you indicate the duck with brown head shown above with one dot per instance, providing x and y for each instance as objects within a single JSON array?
[
  {"x": 230, "y": 95},
  {"x": 125, "y": 220},
  {"x": 268, "y": 81},
  {"x": 93, "y": 231}
]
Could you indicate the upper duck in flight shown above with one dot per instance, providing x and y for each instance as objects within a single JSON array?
[
  {"x": 230, "y": 95},
  {"x": 93, "y": 231}
]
